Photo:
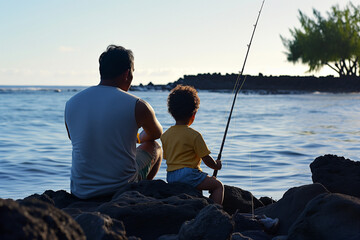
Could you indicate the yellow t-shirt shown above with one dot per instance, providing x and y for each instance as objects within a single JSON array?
[{"x": 183, "y": 147}]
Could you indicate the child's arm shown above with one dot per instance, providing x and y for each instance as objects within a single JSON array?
[{"x": 211, "y": 163}]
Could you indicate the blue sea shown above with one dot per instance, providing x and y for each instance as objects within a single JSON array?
[{"x": 271, "y": 141}]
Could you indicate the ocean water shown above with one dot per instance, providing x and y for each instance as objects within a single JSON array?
[{"x": 271, "y": 141}]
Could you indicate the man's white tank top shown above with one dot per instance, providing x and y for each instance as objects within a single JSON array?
[{"x": 102, "y": 126}]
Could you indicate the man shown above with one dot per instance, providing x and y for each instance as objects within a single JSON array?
[{"x": 102, "y": 122}]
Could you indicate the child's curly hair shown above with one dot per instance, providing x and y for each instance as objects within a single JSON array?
[{"x": 183, "y": 102}]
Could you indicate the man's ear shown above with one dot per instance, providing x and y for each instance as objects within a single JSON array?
[{"x": 125, "y": 74}]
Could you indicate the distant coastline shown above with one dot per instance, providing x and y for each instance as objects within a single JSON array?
[
  {"x": 263, "y": 84},
  {"x": 259, "y": 84}
]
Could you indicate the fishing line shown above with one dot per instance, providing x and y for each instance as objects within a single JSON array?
[{"x": 238, "y": 87}]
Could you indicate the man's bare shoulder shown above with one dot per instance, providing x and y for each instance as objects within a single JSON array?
[
  {"x": 143, "y": 107},
  {"x": 143, "y": 112}
]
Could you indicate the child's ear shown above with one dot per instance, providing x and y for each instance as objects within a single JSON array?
[{"x": 192, "y": 119}]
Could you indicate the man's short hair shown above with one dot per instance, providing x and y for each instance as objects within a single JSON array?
[
  {"x": 115, "y": 61},
  {"x": 183, "y": 102}
]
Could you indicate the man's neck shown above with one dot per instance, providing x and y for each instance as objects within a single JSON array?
[
  {"x": 109, "y": 83},
  {"x": 112, "y": 83}
]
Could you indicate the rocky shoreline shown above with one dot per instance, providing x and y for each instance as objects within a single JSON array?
[
  {"x": 327, "y": 209},
  {"x": 263, "y": 84}
]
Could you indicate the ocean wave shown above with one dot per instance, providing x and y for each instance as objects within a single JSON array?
[{"x": 27, "y": 89}]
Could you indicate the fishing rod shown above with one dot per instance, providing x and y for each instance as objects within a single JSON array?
[{"x": 238, "y": 87}]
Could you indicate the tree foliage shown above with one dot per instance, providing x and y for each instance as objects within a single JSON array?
[{"x": 333, "y": 41}]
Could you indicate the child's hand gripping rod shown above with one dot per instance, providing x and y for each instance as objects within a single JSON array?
[{"x": 238, "y": 87}]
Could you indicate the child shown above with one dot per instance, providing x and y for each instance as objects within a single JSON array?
[{"x": 184, "y": 147}]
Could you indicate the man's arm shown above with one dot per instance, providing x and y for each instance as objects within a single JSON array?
[{"x": 145, "y": 118}]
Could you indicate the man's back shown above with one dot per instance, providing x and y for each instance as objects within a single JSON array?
[{"x": 102, "y": 127}]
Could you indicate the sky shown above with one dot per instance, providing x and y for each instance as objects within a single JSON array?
[{"x": 59, "y": 42}]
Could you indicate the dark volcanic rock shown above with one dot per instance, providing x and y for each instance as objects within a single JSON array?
[
  {"x": 148, "y": 217},
  {"x": 290, "y": 206},
  {"x": 160, "y": 189},
  {"x": 273, "y": 84},
  {"x": 101, "y": 227},
  {"x": 330, "y": 217},
  {"x": 34, "y": 219},
  {"x": 59, "y": 199},
  {"x": 80, "y": 207},
  {"x": 257, "y": 235},
  {"x": 267, "y": 201},
  {"x": 239, "y": 236},
  {"x": 239, "y": 199},
  {"x": 243, "y": 223},
  {"x": 157, "y": 210},
  {"x": 148, "y": 209},
  {"x": 169, "y": 237},
  {"x": 212, "y": 223},
  {"x": 337, "y": 174},
  {"x": 42, "y": 197}
]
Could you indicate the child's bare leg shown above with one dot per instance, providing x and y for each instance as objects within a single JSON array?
[{"x": 215, "y": 187}]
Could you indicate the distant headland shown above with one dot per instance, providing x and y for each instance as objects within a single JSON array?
[{"x": 263, "y": 84}]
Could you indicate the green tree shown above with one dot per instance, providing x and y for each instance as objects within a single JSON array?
[{"x": 332, "y": 42}]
